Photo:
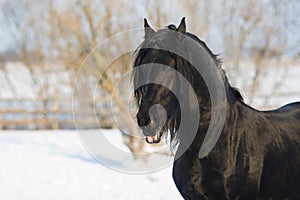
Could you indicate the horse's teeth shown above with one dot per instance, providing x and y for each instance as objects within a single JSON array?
[{"x": 150, "y": 139}]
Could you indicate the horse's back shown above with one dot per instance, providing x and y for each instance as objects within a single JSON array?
[
  {"x": 281, "y": 171},
  {"x": 291, "y": 108},
  {"x": 286, "y": 119}
]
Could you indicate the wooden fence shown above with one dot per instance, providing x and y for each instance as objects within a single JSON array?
[
  {"x": 62, "y": 113},
  {"x": 55, "y": 113}
]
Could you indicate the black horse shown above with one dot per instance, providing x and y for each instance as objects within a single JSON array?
[{"x": 257, "y": 155}]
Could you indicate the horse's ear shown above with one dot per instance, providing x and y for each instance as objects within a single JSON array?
[
  {"x": 148, "y": 30},
  {"x": 182, "y": 27}
]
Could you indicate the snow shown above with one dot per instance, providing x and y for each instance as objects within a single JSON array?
[{"x": 55, "y": 165}]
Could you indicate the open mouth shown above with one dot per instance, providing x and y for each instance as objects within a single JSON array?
[{"x": 155, "y": 138}]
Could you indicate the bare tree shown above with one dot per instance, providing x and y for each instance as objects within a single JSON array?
[
  {"x": 249, "y": 34},
  {"x": 68, "y": 34}
]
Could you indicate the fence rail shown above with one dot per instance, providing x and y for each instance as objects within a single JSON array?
[
  {"x": 59, "y": 113},
  {"x": 55, "y": 113}
]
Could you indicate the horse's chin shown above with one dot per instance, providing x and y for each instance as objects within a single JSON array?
[{"x": 155, "y": 138}]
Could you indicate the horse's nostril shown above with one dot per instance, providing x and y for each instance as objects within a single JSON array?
[{"x": 151, "y": 122}]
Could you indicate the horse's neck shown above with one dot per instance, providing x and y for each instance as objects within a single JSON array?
[
  {"x": 190, "y": 142},
  {"x": 193, "y": 148}
]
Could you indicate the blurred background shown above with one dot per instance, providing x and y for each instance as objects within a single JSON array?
[{"x": 44, "y": 43}]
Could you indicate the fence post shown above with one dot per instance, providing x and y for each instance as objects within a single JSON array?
[
  {"x": 1, "y": 120},
  {"x": 55, "y": 108}
]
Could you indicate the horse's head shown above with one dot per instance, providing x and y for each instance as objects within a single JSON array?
[{"x": 159, "y": 109}]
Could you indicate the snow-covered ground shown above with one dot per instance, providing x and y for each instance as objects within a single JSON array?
[{"x": 55, "y": 165}]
